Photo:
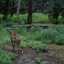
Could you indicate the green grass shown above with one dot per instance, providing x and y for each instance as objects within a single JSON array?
[
  {"x": 20, "y": 19},
  {"x": 40, "y": 61},
  {"x": 51, "y": 35},
  {"x": 5, "y": 57},
  {"x": 39, "y": 46},
  {"x": 37, "y": 17},
  {"x": 61, "y": 19},
  {"x": 1, "y": 16},
  {"x": 37, "y": 38}
]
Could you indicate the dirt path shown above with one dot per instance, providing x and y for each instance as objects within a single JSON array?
[
  {"x": 26, "y": 57},
  {"x": 29, "y": 55},
  {"x": 53, "y": 56}
]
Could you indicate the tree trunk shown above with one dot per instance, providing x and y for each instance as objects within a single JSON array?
[
  {"x": 12, "y": 8},
  {"x": 29, "y": 19},
  {"x": 6, "y": 10},
  {"x": 55, "y": 16},
  {"x": 18, "y": 7}
]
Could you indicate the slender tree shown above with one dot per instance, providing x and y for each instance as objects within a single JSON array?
[
  {"x": 12, "y": 8},
  {"x": 6, "y": 7},
  {"x": 29, "y": 19},
  {"x": 18, "y": 6}
]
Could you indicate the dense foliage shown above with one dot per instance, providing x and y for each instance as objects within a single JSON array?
[{"x": 54, "y": 8}]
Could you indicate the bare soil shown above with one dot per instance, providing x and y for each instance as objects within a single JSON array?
[{"x": 54, "y": 55}]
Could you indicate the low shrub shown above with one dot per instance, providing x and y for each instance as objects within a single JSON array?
[
  {"x": 40, "y": 61},
  {"x": 6, "y": 58},
  {"x": 39, "y": 46},
  {"x": 50, "y": 35}
]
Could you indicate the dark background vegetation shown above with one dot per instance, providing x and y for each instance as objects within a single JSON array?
[{"x": 53, "y": 8}]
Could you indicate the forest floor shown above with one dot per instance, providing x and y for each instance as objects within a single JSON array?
[{"x": 54, "y": 55}]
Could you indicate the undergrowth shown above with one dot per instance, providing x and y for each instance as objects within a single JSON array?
[
  {"x": 40, "y": 61},
  {"x": 37, "y": 38},
  {"x": 5, "y": 57},
  {"x": 37, "y": 17},
  {"x": 50, "y": 35}
]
